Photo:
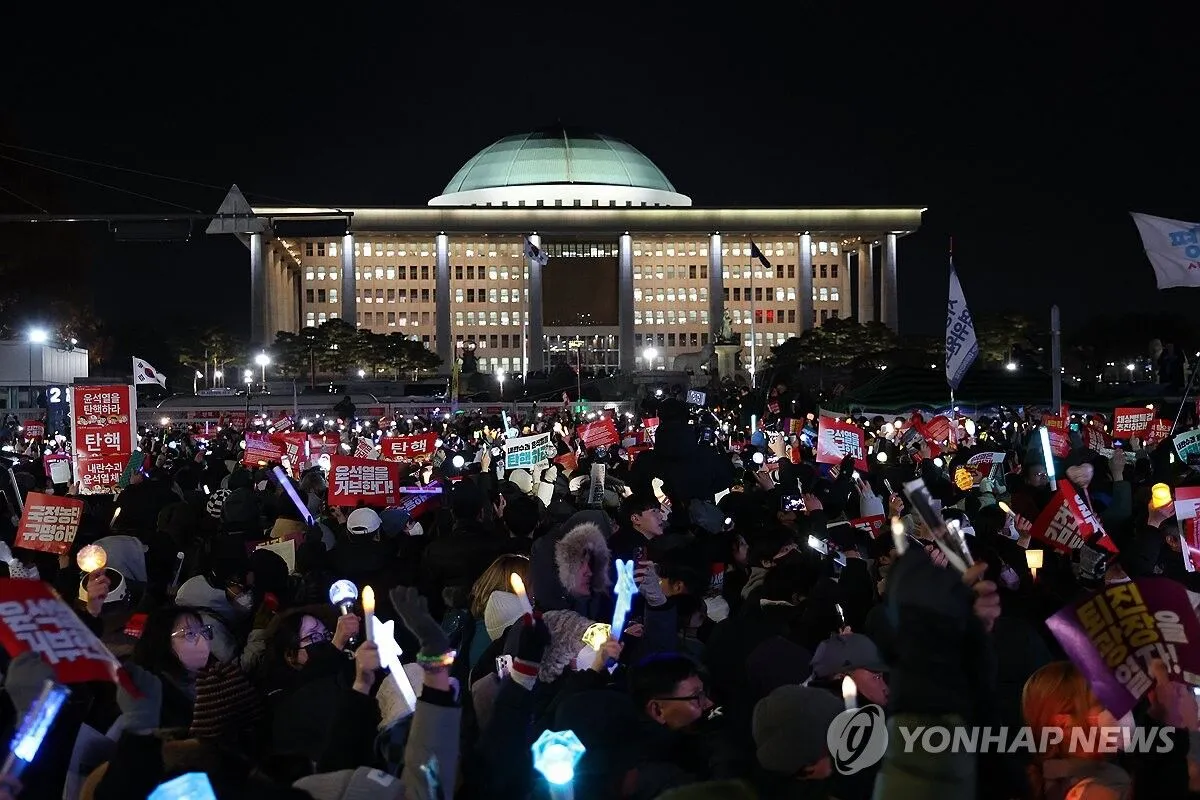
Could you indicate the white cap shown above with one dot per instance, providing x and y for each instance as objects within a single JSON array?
[
  {"x": 522, "y": 480},
  {"x": 363, "y": 521}
]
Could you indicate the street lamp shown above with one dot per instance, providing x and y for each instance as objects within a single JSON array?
[
  {"x": 650, "y": 354},
  {"x": 500, "y": 376},
  {"x": 218, "y": 375},
  {"x": 36, "y": 336},
  {"x": 248, "y": 375},
  {"x": 262, "y": 359},
  {"x": 1011, "y": 366},
  {"x": 195, "y": 378},
  {"x": 362, "y": 373}
]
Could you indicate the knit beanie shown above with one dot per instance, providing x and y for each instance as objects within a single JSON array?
[
  {"x": 566, "y": 640},
  {"x": 363, "y": 783},
  {"x": 216, "y": 502},
  {"x": 226, "y": 704},
  {"x": 503, "y": 609}
]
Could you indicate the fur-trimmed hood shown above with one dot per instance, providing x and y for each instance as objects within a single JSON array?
[{"x": 585, "y": 540}]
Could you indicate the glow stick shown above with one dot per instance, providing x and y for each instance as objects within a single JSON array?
[
  {"x": 368, "y": 604},
  {"x": 555, "y": 755},
  {"x": 518, "y": 587},
  {"x": 383, "y": 634},
  {"x": 626, "y": 588},
  {"x": 1047, "y": 456},
  {"x": 849, "y": 693},
  {"x": 286, "y": 483}
]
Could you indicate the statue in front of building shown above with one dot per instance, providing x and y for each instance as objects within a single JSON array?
[{"x": 725, "y": 334}]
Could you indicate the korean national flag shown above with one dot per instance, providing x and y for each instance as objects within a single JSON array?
[
  {"x": 961, "y": 345},
  {"x": 144, "y": 373},
  {"x": 533, "y": 252}
]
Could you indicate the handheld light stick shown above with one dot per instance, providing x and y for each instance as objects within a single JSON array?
[
  {"x": 518, "y": 587},
  {"x": 899, "y": 540},
  {"x": 1033, "y": 560},
  {"x": 555, "y": 754},
  {"x": 626, "y": 588},
  {"x": 368, "y": 604},
  {"x": 342, "y": 594},
  {"x": 849, "y": 693},
  {"x": 91, "y": 558},
  {"x": 1047, "y": 456},
  {"x": 287, "y": 487}
]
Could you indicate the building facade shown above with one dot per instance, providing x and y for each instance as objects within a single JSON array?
[{"x": 635, "y": 274}]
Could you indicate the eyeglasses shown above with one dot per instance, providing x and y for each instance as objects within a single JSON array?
[
  {"x": 193, "y": 635},
  {"x": 316, "y": 638},
  {"x": 698, "y": 697}
]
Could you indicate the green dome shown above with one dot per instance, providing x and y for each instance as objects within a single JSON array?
[{"x": 558, "y": 155}]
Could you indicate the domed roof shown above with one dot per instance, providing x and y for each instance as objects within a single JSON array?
[{"x": 558, "y": 155}]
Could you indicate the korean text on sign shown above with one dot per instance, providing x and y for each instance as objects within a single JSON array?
[
  {"x": 49, "y": 523},
  {"x": 1128, "y": 637},
  {"x": 97, "y": 403},
  {"x": 348, "y": 479}
]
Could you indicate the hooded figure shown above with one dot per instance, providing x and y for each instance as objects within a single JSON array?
[{"x": 582, "y": 566}]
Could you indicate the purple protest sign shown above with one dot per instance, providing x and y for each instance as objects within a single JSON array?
[{"x": 1113, "y": 635}]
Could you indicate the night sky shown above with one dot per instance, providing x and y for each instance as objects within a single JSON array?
[{"x": 1029, "y": 134}]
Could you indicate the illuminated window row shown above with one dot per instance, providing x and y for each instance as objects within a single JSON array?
[
  {"x": 468, "y": 272},
  {"x": 671, "y": 317},
  {"x": 671, "y": 295},
  {"x": 690, "y": 271},
  {"x": 501, "y": 319},
  {"x": 320, "y": 296},
  {"x": 488, "y": 295},
  {"x": 396, "y": 296}
]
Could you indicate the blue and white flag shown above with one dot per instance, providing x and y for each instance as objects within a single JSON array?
[
  {"x": 534, "y": 253},
  {"x": 961, "y": 345},
  {"x": 1173, "y": 248}
]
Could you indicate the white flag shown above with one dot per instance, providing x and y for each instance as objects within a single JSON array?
[
  {"x": 1173, "y": 248},
  {"x": 961, "y": 345},
  {"x": 144, "y": 373},
  {"x": 534, "y": 252}
]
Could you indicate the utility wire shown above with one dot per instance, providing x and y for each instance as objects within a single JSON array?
[
  {"x": 23, "y": 200},
  {"x": 99, "y": 183},
  {"x": 147, "y": 174}
]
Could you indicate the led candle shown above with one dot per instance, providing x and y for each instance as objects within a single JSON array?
[
  {"x": 518, "y": 587},
  {"x": 368, "y": 604},
  {"x": 849, "y": 692}
]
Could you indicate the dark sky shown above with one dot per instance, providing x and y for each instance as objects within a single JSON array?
[{"x": 1028, "y": 132}]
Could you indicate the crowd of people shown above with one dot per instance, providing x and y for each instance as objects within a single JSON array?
[{"x": 754, "y": 599}]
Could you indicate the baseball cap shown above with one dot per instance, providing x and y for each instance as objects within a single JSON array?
[
  {"x": 843, "y": 653},
  {"x": 363, "y": 521},
  {"x": 790, "y": 726}
]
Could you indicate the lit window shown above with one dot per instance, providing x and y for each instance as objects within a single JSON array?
[
  {"x": 824, "y": 294},
  {"x": 814, "y": 248},
  {"x": 637, "y": 294},
  {"x": 833, "y": 294},
  {"x": 704, "y": 320},
  {"x": 703, "y": 294},
  {"x": 379, "y": 273},
  {"x": 333, "y": 274},
  {"x": 391, "y": 318},
  {"x": 737, "y": 316},
  {"x": 311, "y": 318},
  {"x": 333, "y": 248},
  {"x": 637, "y": 318},
  {"x": 391, "y": 273},
  {"x": 833, "y": 249},
  {"x": 320, "y": 273},
  {"x": 504, "y": 273},
  {"x": 504, "y": 295},
  {"x": 492, "y": 318},
  {"x": 779, "y": 293},
  {"x": 822, "y": 247},
  {"x": 458, "y": 318},
  {"x": 503, "y": 317},
  {"x": 458, "y": 295},
  {"x": 309, "y": 274},
  {"x": 670, "y": 295},
  {"x": 791, "y": 293},
  {"x": 691, "y": 295},
  {"x": 322, "y": 318},
  {"x": 493, "y": 295},
  {"x": 333, "y": 295},
  {"x": 492, "y": 274}
]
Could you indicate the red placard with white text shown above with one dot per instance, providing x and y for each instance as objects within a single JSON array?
[
  {"x": 1066, "y": 522},
  {"x": 836, "y": 440},
  {"x": 1158, "y": 430},
  {"x": 601, "y": 433},
  {"x": 415, "y": 448},
  {"x": 49, "y": 523},
  {"x": 104, "y": 431},
  {"x": 261, "y": 450},
  {"x": 35, "y": 430},
  {"x": 1130, "y": 422},
  {"x": 34, "y": 617},
  {"x": 370, "y": 481},
  {"x": 1187, "y": 502},
  {"x": 872, "y": 525}
]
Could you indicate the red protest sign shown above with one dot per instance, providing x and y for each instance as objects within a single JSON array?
[
  {"x": 601, "y": 433},
  {"x": 872, "y": 525},
  {"x": 938, "y": 429},
  {"x": 360, "y": 480},
  {"x": 836, "y": 440},
  {"x": 33, "y": 617},
  {"x": 364, "y": 448},
  {"x": 1094, "y": 438},
  {"x": 261, "y": 450},
  {"x": 281, "y": 425},
  {"x": 1187, "y": 502},
  {"x": 49, "y": 523},
  {"x": 1066, "y": 522},
  {"x": 1059, "y": 434},
  {"x": 104, "y": 430},
  {"x": 35, "y": 430},
  {"x": 419, "y": 447},
  {"x": 568, "y": 461},
  {"x": 295, "y": 447},
  {"x": 1190, "y": 544},
  {"x": 1158, "y": 430},
  {"x": 1130, "y": 422}
]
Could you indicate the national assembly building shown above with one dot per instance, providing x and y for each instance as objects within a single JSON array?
[{"x": 633, "y": 274}]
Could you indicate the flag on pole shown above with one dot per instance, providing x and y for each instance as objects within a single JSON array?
[
  {"x": 1173, "y": 248},
  {"x": 756, "y": 253},
  {"x": 961, "y": 345},
  {"x": 532, "y": 251},
  {"x": 144, "y": 373}
]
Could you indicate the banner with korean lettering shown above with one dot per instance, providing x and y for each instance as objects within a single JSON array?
[
  {"x": 836, "y": 440},
  {"x": 261, "y": 450},
  {"x": 1058, "y": 431},
  {"x": 365, "y": 448},
  {"x": 49, "y": 523},
  {"x": 1189, "y": 544},
  {"x": 362, "y": 480},
  {"x": 872, "y": 525},
  {"x": 104, "y": 432},
  {"x": 1130, "y": 422},
  {"x": 1094, "y": 438},
  {"x": 35, "y": 430},
  {"x": 414, "y": 448},
  {"x": 1159, "y": 430},
  {"x": 529, "y": 451},
  {"x": 1113, "y": 636},
  {"x": 601, "y": 433},
  {"x": 1187, "y": 445},
  {"x": 1066, "y": 522},
  {"x": 324, "y": 444},
  {"x": 962, "y": 347},
  {"x": 982, "y": 465},
  {"x": 34, "y": 617},
  {"x": 295, "y": 448}
]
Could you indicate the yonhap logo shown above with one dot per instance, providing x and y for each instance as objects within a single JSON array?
[{"x": 857, "y": 739}]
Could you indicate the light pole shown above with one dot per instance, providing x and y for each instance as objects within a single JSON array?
[
  {"x": 217, "y": 376},
  {"x": 195, "y": 378},
  {"x": 262, "y": 359},
  {"x": 36, "y": 336},
  {"x": 500, "y": 379},
  {"x": 650, "y": 354}
]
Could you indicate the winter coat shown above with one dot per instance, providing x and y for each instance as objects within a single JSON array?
[{"x": 545, "y": 572}]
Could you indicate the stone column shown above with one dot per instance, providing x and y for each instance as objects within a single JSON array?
[
  {"x": 846, "y": 307},
  {"x": 626, "y": 361},
  {"x": 349, "y": 281},
  {"x": 804, "y": 283},
  {"x": 445, "y": 339},
  {"x": 866, "y": 284},
  {"x": 889, "y": 298},
  {"x": 536, "y": 343},
  {"x": 258, "y": 289},
  {"x": 716, "y": 287}
]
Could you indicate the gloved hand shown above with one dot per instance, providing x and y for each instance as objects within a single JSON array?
[
  {"x": 143, "y": 714},
  {"x": 649, "y": 585},
  {"x": 26, "y": 675},
  {"x": 869, "y": 503},
  {"x": 413, "y": 610},
  {"x": 526, "y": 642}
]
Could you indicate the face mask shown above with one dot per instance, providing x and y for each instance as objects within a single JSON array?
[
  {"x": 244, "y": 602},
  {"x": 416, "y": 530}
]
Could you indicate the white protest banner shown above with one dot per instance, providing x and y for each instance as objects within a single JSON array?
[{"x": 529, "y": 451}]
